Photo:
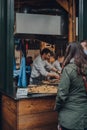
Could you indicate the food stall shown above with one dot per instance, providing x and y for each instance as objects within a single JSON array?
[{"x": 34, "y": 110}]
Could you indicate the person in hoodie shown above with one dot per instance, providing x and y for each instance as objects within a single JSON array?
[{"x": 71, "y": 99}]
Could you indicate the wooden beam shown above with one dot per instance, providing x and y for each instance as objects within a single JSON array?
[
  {"x": 72, "y": 21},
  {"x": 63, "y": 3},
  {"x": 70, "y": 7}
]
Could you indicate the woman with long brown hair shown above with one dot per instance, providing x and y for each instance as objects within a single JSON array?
[{"x": 71, "y": 99}]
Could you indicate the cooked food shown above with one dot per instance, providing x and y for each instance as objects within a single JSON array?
[
  {"x": 51, "y": 82},
  {"x": 43, "y": 89}
]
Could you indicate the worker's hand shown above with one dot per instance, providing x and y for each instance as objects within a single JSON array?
[
  {"x": 54, "y": 75},
  {"x": 57, "y": 76},
  {"x": 58, "y": 72}
]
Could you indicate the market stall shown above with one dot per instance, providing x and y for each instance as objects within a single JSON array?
[{"x": 34, "y": 111}]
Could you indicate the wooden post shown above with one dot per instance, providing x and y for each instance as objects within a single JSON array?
[
  {"x": 70, "y": 7},
  {"x": 72, "y": 21}
]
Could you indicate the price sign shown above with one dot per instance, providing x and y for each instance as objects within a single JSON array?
[{"x": 22, "y": 91}]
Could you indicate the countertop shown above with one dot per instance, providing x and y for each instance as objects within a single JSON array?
[{"x": 14, "y": 96}]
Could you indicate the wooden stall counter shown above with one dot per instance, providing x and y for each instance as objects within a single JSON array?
[{"x": 32, "y": 112}]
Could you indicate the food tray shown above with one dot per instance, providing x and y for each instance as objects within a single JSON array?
[{"x": 42, "y": 89}]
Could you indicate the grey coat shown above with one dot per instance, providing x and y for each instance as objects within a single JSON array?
[{"x": 71, "y": 99}]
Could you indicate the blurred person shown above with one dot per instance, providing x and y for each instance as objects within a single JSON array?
[
  {"x": 84, "y": 45},
  {"x": 71, "y": 99},
  {"x": 56, "y": 64},
  {"x": 29, "y": 62},
  {"x": 52, "y": 58},
  {"x": 41, "y": 68}
]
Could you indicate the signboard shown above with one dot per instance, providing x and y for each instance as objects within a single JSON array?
[
  {"x": 38, "y": 24},
  {"x": 22, "y": 91}
]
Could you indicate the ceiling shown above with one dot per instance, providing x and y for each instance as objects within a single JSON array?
[
  {"x": 36, "y": 3},
  {"x": 40, "y": 6}
]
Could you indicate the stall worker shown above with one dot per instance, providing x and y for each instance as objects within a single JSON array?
[
  {"x": 56, "y": 64},
  {"x": 41, "y": 66}
]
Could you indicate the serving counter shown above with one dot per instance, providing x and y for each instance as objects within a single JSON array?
[{"x": 31, "y": 112}]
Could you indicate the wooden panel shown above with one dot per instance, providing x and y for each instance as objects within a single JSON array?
[
  {"x": 29, "y": 114},
  {"x": 9, "y": 112},
  {"x": 9, "y": 116},
  {"x": 29, "y": 122},
  {"x": 48, "y": 127},
  {"x": 36, "y": 105},
  {"x": 6, "y": 126},
  {"x": 9, "y": 103}
]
